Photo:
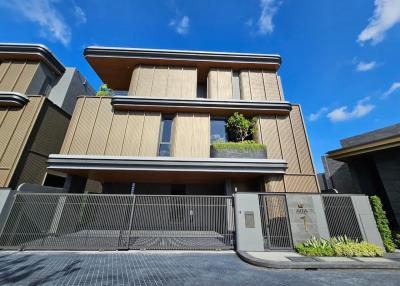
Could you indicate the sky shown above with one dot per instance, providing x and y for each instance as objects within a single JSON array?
[{"x": 340, "y": 58}]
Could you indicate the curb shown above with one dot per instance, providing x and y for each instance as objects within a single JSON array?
[{"x": 315, "y": 265}]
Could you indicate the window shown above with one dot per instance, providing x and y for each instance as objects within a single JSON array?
[
  {"x": 218, "y": 131},
  {"x": 165, "y": 140},
  {"x": 201, "y": 90},
  {"x": 54, "y": 181}
]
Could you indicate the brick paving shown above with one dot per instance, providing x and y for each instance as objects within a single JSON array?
[{"x": 164, "y": 268}]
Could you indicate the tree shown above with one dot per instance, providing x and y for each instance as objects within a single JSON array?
[
  {"x": 103, "y": 90},
  {"x": 239, "y": 127}
]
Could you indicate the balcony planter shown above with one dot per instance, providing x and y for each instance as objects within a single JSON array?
[{"x": 245, "y": 149}]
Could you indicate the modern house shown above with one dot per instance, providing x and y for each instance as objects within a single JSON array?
[
  {"x": 37, "y": 97},
  {"x": 155, "y": 133},
  {"x": 369, "y": 164}
]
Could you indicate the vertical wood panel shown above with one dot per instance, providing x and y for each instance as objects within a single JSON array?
[
  {"x": 244, "y": 81},
  {"x": 117, "y": 133},
  {"x": 11, "y": 76},
  {"x": 212, "y": 84},
  {"x": 26, "y": 77},
  {"x": 8, "y": 127},
  {"x": 183, "y": 135},
  {"x": 101, "y": 129},
  {"x": 274, "y": 184},
  {"x": 4, "y": 66},
  {"x": 270, "y": 137},
  {"x": 160, "y": 80},
  {"x": 189, "y": 82},
  {"x": 20, "y": 133},
  {"x": 201, "y": 136},
  {"x": 80, "y": 142},
  {"x": 145, "y": 81},
  {"x": 288, "y": 144},
  {"x": 72, "y": 126},
  {"x": 174, "y": 87},
  {"x": 133, "y": 134},
  {"x": 300, "y": 183},
  {"x": 150, "y": 136},
  {"x": 257, "y": 85},
  {"x": 301, "y": 141},
  {"x": 271, "y": 86},
  {"x": 134, "y": 81}
]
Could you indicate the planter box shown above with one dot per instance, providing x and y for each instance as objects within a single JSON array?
[{"x": 237, "y": 153}]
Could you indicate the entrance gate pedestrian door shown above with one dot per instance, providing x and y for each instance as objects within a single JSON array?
[
  {"x": 275, "y": 222},
  {"x": 83, "y": 221}
]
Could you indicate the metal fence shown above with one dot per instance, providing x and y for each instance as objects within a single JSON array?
[
  {"x": 275, "y": 222},
  {"x": 341, "y": 216},
  {"x": 90, "y": 221}
]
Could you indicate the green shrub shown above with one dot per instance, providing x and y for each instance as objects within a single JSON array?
[
  {"x": 382, "y": 223},
  {"x": 397, "y": 240},
  {"x": 239, "y": 127},
  {"x": 248, "y": 145},
  {"x": 338, "y": 246},
  {"x": 103, "y": 90}
]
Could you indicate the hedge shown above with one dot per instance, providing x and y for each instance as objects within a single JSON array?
[
  {"x": 382, "y": 223},
  {"x": 247, "y": 145}
]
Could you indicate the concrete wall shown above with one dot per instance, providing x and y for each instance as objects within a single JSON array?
[{"x": 71, "y": 85}]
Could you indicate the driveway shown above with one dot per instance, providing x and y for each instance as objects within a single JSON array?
[{"x": 165, "y": 268}]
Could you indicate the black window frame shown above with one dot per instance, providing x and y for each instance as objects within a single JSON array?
[{"x": 165, "y": 117}]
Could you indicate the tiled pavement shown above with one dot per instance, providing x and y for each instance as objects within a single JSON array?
[{"x": 164, "y": 268}]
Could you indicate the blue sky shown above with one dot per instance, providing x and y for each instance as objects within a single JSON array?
[{"x": 341, "y": 59}]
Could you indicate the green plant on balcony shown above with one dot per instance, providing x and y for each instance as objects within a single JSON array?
[
  {"x": 104, "y": 90},
  {"x": 239, "y": 127},
  {"x": 248, "y": 145}
]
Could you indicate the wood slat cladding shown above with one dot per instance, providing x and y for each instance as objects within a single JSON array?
[
  {"x": 219, "y": 84},
  {"x": 191, "y": 135},
  {"x": 164, "y": 81},
  {"x": 260, "y": 85},
  {"x": 97, "y": 129},
  {"x": 15, "y": 127},
  {"x": 17, "y": 75},
  {"x": 285, "y": 138}
]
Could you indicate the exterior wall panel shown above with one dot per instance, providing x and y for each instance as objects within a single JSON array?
[
  {"x": 268, "y": 132},
  {"x": 117, "y": 133},
  {"x": 301, "y": 183},
  {"x": 133, "y": 134},
  {"x": 150, "y": 134},
  {"x": 288, "y": 145},
  {"x": 260, "y": 85},
  {"x": 220, "y": 84},
  {"x": 189, "y": 83},
  {"x": 271, "y": 86},
  {"x": 72, "y": 126}
]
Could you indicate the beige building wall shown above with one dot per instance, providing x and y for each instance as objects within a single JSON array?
[
  {"x": 26, "y": 77},
  {"x": 260, "y": 85},
  {"x": 16, "y": 124},
  {"x": 285, "y": 138},
  {"x": 96, "y": 129},
  {"x": 164, "y": 81},
  {"x": 191, "y": 135},
  {"x": 219, "y": 84}
]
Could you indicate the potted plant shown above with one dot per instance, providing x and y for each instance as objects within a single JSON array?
[{"x": 240, "y": 145}]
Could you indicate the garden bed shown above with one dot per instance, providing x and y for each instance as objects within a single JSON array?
[{"x": 245, "y": 149}]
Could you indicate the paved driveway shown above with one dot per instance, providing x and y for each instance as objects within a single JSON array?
[{"x": 164, "y": 268}]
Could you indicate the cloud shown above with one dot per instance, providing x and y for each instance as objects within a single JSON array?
[
  {"x": 268, "y": 10},
  {"x": 395, "y": 86},
  {"x": 386, "y": 15},
  {"x": 315, "y": 116},
  {"x": 181, "y": 26},
  {"x": 362, "y": 108},
  {"x": 46, "y": 15},
  {"x": 363, "y": 66},
  {"x": 80, "y": 15}
]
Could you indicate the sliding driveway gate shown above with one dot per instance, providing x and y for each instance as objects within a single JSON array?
[{"x": 88, "y": 221}]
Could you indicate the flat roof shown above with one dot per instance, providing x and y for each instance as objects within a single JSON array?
[
  {"x": 115, "y": 65},
  {"x": 34, "y": 52}
]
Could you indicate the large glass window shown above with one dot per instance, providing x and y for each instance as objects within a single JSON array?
[
  {"x": 165, "y": 140},
  {"x": 218, "y": 130}
]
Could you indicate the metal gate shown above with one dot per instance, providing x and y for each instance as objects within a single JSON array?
[
  {"x": 275, "y": 222},
  {"x": 90, "y": 221},
  {"x": 341, "y": 216}
]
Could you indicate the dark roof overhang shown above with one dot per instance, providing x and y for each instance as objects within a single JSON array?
[
  {"x": 33, "y": 52},
  {"x": 115, "y": 65},
  {"x": 12, "y": 99}
]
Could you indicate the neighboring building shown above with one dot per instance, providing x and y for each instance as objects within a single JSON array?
[
  {"x": 156, "y": 139},
  {"x": 37, "y": 97},
  {"x": 370, "y": 164}
]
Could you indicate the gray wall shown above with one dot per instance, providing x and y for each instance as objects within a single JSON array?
[
  {"x": 338, "y": 176},
  {"x": 71, "y": 85}
]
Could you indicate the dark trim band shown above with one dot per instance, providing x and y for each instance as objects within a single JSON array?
[
  {"x": 31, "y": 52},
  {"x": 95, "y": 51},
  {"x": 168, "y": 164},
  {"x": 14, "y": 99},
  {"x": 218, "y": 107}
]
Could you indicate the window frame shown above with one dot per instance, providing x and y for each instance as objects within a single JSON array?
[
  {"x": 218, "y": 118},
  {"x": 160, "y": 141}
]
